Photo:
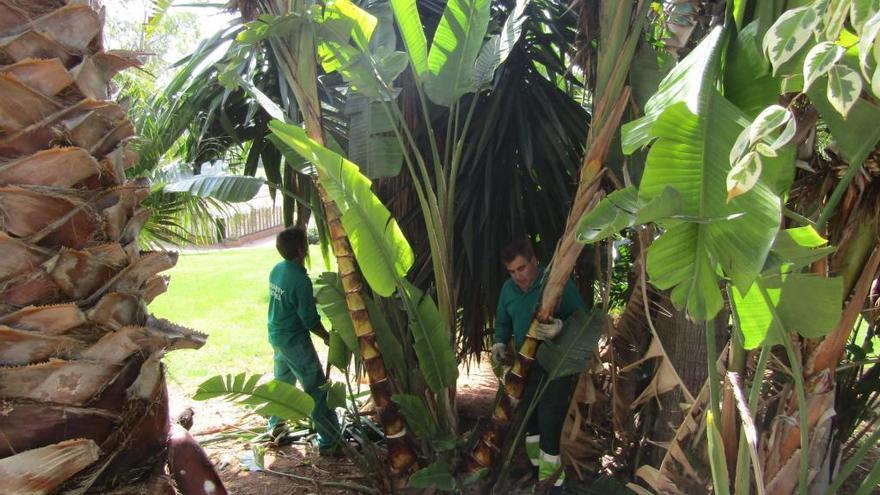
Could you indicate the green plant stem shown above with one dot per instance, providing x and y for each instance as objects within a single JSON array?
[
  {"x": 797, "y": 217},
  {"x": 718, "y": 456},
  {"x": 450, "y": 130},
  {"x": 837, "y": 195},
  {"x": 456, "y": 158},
  {"x": 800, "y": 390},
  {"x": 432, "y": 138},
  {"x": 853, "y": 463},
  {"x": 712, "y": 355},
  {"x": 743, "y": 476},
  {"x": 430, "y": 209}
]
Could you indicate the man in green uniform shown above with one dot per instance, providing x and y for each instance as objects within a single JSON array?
[
  {"x": 517, "y": 304},
  {"x": 292, "y": 314}
]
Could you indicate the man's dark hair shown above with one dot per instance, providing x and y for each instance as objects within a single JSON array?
[
  {"x": 519, "y": 247},
  {"x": 291, "y": 243}
]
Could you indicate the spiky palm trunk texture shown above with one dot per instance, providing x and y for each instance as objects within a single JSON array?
[{"x": 84, "y": 403}]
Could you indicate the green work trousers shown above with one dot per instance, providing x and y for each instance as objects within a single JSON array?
[
  {"x": 298, "y": 362},
  {"x": 549, "y": 413}
]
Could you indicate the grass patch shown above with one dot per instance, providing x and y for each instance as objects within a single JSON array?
[{"x": 225, "y": 294}]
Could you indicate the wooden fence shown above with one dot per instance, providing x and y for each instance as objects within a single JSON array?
[{"x": 245, "y": 223}]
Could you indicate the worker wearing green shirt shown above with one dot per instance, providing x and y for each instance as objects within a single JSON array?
[
  {"x": 517, "y": 304},
  {"x": 292, "y": 315}
]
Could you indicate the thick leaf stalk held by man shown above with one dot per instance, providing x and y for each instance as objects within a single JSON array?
[
  {"x": 622, "y": 22},
  {"x": 81, "y": 378}
]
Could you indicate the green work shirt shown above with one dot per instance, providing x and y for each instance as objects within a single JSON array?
[
  {"x": 292, "y": 312},
  {"x": 516, "y": 308}
]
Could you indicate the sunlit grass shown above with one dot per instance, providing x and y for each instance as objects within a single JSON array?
[{"x": 223, "y": 293}]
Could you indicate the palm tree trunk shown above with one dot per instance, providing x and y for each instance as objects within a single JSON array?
[
  {"x": 300, "y": 71},
  {"x": 81, "y": 379}
]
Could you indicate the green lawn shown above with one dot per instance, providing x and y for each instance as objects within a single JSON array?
[{"x": 224, "y": 294}]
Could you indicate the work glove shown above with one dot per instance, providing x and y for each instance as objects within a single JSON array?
[
  {"x": 549, "y": 330},
  {"x": 499, "y": 353}
]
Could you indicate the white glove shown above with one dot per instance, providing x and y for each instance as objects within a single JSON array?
[
  {"x": 548, "y": 331},
  {"x": 499, "y": 353}
]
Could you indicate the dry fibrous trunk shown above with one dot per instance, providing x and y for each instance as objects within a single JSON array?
[{"x": 84, "y": 403}]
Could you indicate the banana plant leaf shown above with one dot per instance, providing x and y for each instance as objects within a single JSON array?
[
  {"x": 454, "y": 50},
  {"x": 382, "y": 252},
  {"x": 331, "y": 301},
  {"x": 371, "y": 141},
  {"x": 623, "y": 209},
  {"x": 406, "y": 13},
  {"x": 695, "y": 128},
  {"x": 229, "y": 188},
  {"x": 431, "y": 342},
  {"x": 799, "y": 302},
  {"x": 417, "y": 415},
  {"x": 274, "y": 398},
  {"x": 572, "y": 351}
]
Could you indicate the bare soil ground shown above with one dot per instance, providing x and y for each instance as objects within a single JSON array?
[{"x": 223, "y": 429}]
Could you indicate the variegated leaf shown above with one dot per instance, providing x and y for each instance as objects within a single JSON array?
[
  {"x": 767, "y": 121},
  {"x": 820, "y": 59},
  {"x": 740, "y": 146},
  {"x": 786, "y": 135},
  {"x": 866, "y": 42},
  {"x": 789, "y": 34},
  {"x": 835, "y": 18},
  {"x": 862, "y": 10},
  {"x": 844, "y": 88},
  {"x": 744, "y": 175}
]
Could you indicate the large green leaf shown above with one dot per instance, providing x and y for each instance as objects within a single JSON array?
[
  {"x": 683, "y": 83},
  {"x": 436, "y": 476},
  {"x": 495, "y": 51},
  {"x": 343, "y": 20},
  {"x": 389, "y": 344},
  {"x": 338, "y": 352},
  {"x": 622, "y": 209},
  {"x": 801, "y": 302},
  {"x": 696, "y": 128},
  {"x": 797, "y": 247},
  {"x": 382, "y": 251},
  {"x": 454, "y": 50},
  {"x": 572, "y": 351},
  {"x": 417, "y": 415},
  {"x": 274, "y": 398},
  {"x": 229, "y": 188},
  {"x": 431, "y": 341},
  {"x": 371, "y": 141},
  {"x": 409, "y": 21},
  {"x": 331, "y": 299},
  {"x": 747, "y": 80},
  {"x": 691, "y": 155}
]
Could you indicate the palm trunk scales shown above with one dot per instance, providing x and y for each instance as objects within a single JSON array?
[
  {"x": 401, "y": 452},
  {"x": 85, "y": 408}
]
